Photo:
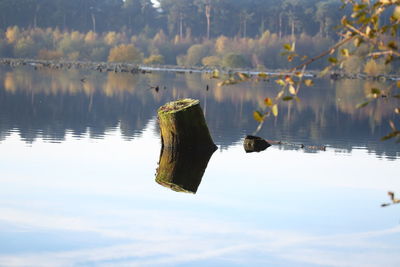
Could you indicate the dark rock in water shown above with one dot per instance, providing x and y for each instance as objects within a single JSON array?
[
  {"x": 335, "y": 76},
  {"x": 255, "y": 144}
]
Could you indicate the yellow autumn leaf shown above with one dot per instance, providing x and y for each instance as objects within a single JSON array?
[
  {"x": 274, "y": 110},
  {"x": 396, "y": 13},
  {"x": 258, "y": 116},
  {"x": 215, "y": 74},
  {"x": 292, "y": 90},
  {"x": 280, "y": 94},
  {"x": 280, "y": 82},
  {"x": 345, "y": 52},
  {"x": 309, "y": 82}
]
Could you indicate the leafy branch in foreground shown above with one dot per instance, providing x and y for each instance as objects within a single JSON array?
[
  {"x": 368, "y": 27},
  {"x": 369, "y": 31}
]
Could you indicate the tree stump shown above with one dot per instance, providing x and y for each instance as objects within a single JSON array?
[
  {"x": 182, "y": 170},
  {"x": 183, "y": 126},
  {"x": 187, "y": 145}
]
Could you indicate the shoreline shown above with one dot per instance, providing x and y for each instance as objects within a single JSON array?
[{"x": 143, "y": 69}]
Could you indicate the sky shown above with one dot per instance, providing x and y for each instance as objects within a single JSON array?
[{"x": 156, "y": 3}]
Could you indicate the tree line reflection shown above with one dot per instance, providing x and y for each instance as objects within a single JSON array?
[{"x": 49, "y": 103}]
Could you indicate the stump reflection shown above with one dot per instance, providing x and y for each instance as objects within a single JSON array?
[{"x": 182, "y": 170}]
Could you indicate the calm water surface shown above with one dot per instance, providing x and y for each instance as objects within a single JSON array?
[{"x": 78, "y": 162}]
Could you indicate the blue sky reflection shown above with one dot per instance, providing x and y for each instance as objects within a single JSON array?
[{"x": 95, "y": 202}]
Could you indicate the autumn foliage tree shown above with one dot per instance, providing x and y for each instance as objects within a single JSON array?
[{"x": 125, "y": 53}]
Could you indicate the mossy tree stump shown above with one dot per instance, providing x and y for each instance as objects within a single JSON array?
[
  {"x": 183, "y": 126},
  {"x": 187, "y": 145}
]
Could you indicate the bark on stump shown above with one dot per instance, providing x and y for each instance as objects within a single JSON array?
[{"x": 183, "y": 126}]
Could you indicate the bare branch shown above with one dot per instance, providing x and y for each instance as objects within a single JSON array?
[
  {"x": 372, "y": 41},
  {"x": 382, "y": 53},
  {"x": 326, "y": 52}
]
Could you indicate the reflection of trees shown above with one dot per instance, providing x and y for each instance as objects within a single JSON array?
[
  {"x": 119, "y": 82},
  {"x": 47, "y": 103},
  {"x": 355, "y": 94},
  {"x": 320, "y": 118}
]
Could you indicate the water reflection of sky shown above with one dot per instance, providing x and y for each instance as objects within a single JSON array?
[
  {"x": 78, "y": 164},
  {"x": 88, "y": 202}
]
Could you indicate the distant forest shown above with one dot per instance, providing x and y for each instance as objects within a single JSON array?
[
  {"x": 241, "y": 18},
  {"x": 231, "y": 33}
]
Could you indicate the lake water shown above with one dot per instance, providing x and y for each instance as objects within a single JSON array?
[{"x": 78, "y": 162}]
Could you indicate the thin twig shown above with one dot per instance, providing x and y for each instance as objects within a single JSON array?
[
  {"x": 377, "y": 54},
  {"x": 326, "y": 52},
  {"x": 372, "y": 41}
]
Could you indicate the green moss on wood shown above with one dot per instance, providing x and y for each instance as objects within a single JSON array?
[
  {"x": 175, "y": 106},
  {"x": 183, "y": 126}
]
